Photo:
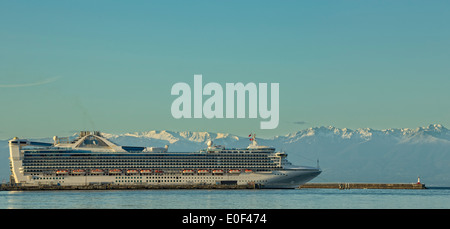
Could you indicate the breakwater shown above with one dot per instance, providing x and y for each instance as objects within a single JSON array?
[
  {"x": 9, "y": 187},
  {"x": 365, "y": 185}
]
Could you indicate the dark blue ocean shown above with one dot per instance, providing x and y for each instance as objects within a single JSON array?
[{"x": 432, "y": 198}]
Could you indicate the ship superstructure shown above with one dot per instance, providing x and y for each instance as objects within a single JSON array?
[{"x": 90, "y": 159}]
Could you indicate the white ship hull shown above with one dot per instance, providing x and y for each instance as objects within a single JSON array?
[{"x": 275, "y": 179}]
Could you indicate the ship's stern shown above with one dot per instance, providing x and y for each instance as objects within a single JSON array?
[{"x": 15, "y": 161}]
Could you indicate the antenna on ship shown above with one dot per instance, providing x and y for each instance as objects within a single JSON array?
[{"x": 318, "y": 166}]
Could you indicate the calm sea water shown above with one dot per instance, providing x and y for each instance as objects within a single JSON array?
[{"x": 434, "y": 198}]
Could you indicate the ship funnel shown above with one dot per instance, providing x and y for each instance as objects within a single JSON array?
[{"x": 210, "y": 143}]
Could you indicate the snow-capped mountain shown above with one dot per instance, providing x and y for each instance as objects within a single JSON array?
[
  {"x": 346, "y": 155},
  {"x": 368, "y": 155},
  {"x": 429, "y": 133}
]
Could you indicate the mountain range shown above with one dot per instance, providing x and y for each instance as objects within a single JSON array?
[{"x": 345, "y": 155}]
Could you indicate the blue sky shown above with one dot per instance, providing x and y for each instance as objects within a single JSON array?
[{"x": 110, "y": 65}]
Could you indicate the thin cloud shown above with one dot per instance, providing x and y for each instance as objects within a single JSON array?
[{"x": 42, "y": 82}]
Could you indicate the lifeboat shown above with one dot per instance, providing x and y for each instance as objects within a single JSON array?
[
  {"x": 203, "y": 171},
  {"x": 62, "y": 171},
  {"x": 132, "y": 171},
  {"x": 248, "y": 171},
  {"x": 115, "y": 171},
  {"x": 158, "y": 171},
  {"x": 218, "y": 171},
  {"x": 188, "y": 171},
  {"x": 146, "y": 171},
  {"x": 96, "y": 171},
  {"x": 234, "y": 171},
  {"x": 78, "y": 171}
]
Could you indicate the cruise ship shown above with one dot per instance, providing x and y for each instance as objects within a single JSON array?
[{"x": 89, "y": 159}]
